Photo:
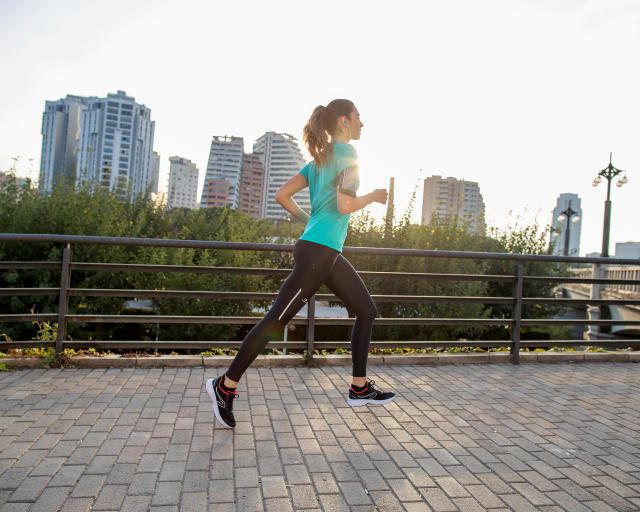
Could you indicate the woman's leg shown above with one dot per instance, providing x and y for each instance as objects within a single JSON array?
[
  {"x": 345, "y": 282},
  {"x": 313, "y": 262}
]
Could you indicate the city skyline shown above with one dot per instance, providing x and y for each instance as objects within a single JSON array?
[{"x": 525, "y": 97}]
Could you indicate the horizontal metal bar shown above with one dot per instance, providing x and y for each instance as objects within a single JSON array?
[
  {"x": 20, "y": 292},
  {"x": 168, "y": 294},
  {"x": 240, "y": 320},
  {"x": 419, "y": 321},
  {"x": 8, "y": 345},
  {"x": 132, "y": 267},
  {"x": 575, "y": 321},
  {"x": 436, "y": 277},
  {"x": 30, "y": 265},
  {"x": 160, "y": 319},
  {"x": 594, "y": 302},
  {"x": 90, "y": 292},
  {"x": 245, "y": 246},
  {"x": 579, "y": 280},
  {"x": 194, "y": 269},
  {"x": 300, "y": 345},
  {"x": 46, "y": 317},
  {"x": 97, "y": 292}
]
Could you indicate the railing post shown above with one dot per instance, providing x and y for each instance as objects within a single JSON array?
[
  {"x": 63, "y": 302},
  {"x": 593, "y": 312},
  {"x": 517, "y": 314},
  {"x": 311, "y": 314}
]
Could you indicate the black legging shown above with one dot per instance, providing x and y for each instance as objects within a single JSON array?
[{"x": 315, "y": 264}]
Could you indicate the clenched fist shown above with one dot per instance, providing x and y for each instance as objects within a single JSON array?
[{"x": 380, "y": 195}]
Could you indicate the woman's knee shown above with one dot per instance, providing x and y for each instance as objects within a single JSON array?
[{"x": 368, "y": 311}]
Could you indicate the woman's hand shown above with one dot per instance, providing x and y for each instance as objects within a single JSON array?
[
  {"x": 348, "y": 204},
  {"x": 380, "y": 195}
]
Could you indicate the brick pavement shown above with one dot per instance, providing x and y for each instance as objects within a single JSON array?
[{"x": 544, "y": 437}]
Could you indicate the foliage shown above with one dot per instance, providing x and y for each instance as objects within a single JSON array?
[
  {"x": 98, "y": 212},
  {"x": 95, "y": 211}
]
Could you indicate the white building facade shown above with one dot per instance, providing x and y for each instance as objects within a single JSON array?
[
  {"x": 155, "y": 172},
  {"x": 116, "y": 145},
  {"x": 60, "y": 133},
  {"x": 183, "y": 183},
  {"x": 444, "y": 197},
  {"x": 281, "y": 158},
  {"x": 225, "y": 162},
  {"x": 565, "y": 229},
  {"x": 629, "y": 250}
]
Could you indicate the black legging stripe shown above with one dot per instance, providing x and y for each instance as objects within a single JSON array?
[{"x": 315, "y": 264}]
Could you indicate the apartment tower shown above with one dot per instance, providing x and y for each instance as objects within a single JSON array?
[
  {"x": 449, "y": 196},
  {"x": 281, "y": 158},
  {"x": 183, "y": 183}
]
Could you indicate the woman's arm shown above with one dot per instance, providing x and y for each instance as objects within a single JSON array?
[
  {"x": 291, "y": 187},
  {"x": 350, "y": 204}
]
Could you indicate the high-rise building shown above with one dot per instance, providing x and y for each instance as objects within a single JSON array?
[
  {"x": 116, "y": 144},
  {"x": 629, "y": 250},
  {"x": 155, "y": 172},
  {"x": 225, "y": 162},
  {"x": 565, "y": 230},
  {"x": 282, "y": 159},
  {"x": 251, "y": 183},
  {"x": 183, "y": 183},
  {"x": 215, "y": 193},
  {"x": 450, "y": 196},
  {"x": 60, "y": 133}
]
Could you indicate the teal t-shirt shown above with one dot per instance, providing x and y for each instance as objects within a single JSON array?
[{"x": 327, "y": 226}]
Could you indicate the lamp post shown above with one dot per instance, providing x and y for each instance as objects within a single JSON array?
[
  {"x": 596, "y": 312},
  {"x": 568, "y": 214},
  {"x": 609, "y": 173}
]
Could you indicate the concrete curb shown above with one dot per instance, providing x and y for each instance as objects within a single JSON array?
[{"x": 330, "y": 360}]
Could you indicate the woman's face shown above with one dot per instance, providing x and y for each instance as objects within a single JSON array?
[{"x": 355, "y": 125}]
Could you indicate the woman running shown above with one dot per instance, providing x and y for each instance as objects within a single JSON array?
[{"x": 333, "y": 180}]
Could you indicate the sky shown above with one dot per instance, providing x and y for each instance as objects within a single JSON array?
[{"x": 526, "y": 97}]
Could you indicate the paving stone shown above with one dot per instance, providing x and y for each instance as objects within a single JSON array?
[
  {"x": 110, "y": 497},
  {"x": 166, "y": 493},
  {"x": 142, "y": 484},
  {"x": 77, "y": 505},
  {"x": 273, "y": 486},
  {"x": 88, "y": 486},
  {"x": 29, "y": 489},
  {"x": 136, "y": 503},
  {"x": 558, "y": 438},
  {"x": 50, "y": 499}
]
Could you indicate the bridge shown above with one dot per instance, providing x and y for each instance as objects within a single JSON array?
[{"x": 619, "y": 294}]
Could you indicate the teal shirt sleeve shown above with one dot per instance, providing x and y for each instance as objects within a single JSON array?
[{"x": 305, "y": 171}]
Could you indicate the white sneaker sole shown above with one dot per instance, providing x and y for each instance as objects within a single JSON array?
[
  {"x": 209, "y": 387},
  {"x": 357, "y": 402}
]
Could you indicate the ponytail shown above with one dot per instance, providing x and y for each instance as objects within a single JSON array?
[{"x": 323, "y": 123}]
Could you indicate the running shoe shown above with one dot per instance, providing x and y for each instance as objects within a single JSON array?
[
  {"x": 222, "y": 401},
  {"x": 369, "y": 395}
]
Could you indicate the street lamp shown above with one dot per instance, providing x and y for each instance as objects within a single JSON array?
[
  {"x": 568, "y": 214},
  {"x": 609, "y": 173}
]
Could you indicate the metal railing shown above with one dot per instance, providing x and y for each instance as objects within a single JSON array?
[{"x": 516, "y": 300}]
